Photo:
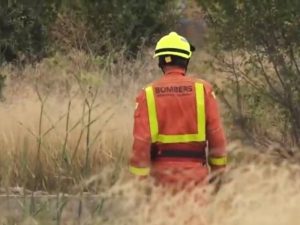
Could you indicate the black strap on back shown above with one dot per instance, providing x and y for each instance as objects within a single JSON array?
[{"x": 182, "y": 154}]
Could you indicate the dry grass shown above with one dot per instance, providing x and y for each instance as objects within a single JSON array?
[
  {"x": 72, "y": 114},
  {"x": 66, "y": 127}
]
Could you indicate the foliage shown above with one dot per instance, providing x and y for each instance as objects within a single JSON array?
[
  {"x": 118, "y": 23},
  {"x": 257, "y": 44},
  {"x": 23, "y": 29},
  {"x": 29, "y": 29}
]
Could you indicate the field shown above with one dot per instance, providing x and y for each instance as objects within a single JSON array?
[{"x": 65, "y": 137}]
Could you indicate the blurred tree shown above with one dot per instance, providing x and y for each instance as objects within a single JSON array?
[
  {"x": 257, "y": 43},
  {"x": 23, "y": 28},
  {"x": 124, "y": 23},
  {"x": 29, "y": 28}
]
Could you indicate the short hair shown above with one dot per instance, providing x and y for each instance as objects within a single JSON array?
[{"x": 172, "y": 60}]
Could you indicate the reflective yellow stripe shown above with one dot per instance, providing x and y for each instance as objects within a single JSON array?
[
  {"x": 201, "y": 120},
  {"x": 182, "y": 138},
  {"x": 152, "y": 114},
  {"x": 218, "y": 161},
  {"x": 139, "y": 171}
]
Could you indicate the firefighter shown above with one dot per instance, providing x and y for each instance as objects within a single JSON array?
[{"x": 175, "y": 119}]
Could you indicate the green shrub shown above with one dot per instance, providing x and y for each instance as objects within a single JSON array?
[
  {"x": 24, "y": 29},
  {"x": 117, "y": 24},
  {"x": 29, "y": 29},
  {"x": 257, "y": 44}
]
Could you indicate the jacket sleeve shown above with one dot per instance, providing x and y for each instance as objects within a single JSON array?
[
  {"x": 214, "y": 131},
  {"x": 140, "y": 156}
]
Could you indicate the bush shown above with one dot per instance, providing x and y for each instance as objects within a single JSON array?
[
  {"x": 29, "y": 28},
  {"x": 118, "y": 23},
  {"x": 24, "y": 29},
  {"x": 257, "y": 44}
]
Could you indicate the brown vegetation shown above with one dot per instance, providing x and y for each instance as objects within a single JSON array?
[{"x": 66, "y": 128}]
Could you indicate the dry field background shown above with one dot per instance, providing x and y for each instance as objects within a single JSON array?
[{"x": 66, "y": 127}]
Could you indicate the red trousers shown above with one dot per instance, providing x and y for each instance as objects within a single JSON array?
[{"x": 179, "y": 173}]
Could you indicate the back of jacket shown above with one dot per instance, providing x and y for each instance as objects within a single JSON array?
[
  {"x": 175, "y": 105},
  {"x": 178, "y": 114}
]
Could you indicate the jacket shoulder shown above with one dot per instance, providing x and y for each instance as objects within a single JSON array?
[
  {"x": 142, "y": 90},
  {"x": 207, "y": 85},
  {"x": 141, "y": 93}
]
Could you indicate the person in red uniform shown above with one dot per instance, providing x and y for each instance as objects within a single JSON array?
[{"x": 175, "y": 119}]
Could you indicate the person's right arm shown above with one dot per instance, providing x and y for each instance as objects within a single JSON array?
[{"x": 140, "y": 160}]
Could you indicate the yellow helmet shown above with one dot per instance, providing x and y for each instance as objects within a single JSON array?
[{"x": 173, "y": 44}]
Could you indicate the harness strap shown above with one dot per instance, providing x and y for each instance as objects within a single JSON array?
[{"x": 182, "y": 154}]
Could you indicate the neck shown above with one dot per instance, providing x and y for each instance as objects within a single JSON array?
[{"x": 170, "y": 69}]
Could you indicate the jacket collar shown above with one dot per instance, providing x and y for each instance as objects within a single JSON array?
[{"x": 171, "y": 70}]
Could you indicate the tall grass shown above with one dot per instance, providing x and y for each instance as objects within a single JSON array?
[
  {"x": 66, "y": 129},
  {"x": 66, "y": 118}
]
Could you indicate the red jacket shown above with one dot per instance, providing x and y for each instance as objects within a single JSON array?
[{"x": 177, "y": 114}]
